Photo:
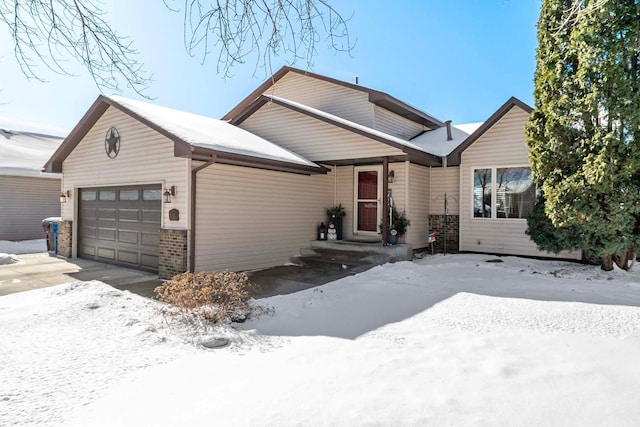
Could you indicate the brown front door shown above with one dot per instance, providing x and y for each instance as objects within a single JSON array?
[{"x": 367, "y": 199}]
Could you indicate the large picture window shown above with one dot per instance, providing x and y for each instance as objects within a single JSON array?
[{"x": 503, "y": 192}]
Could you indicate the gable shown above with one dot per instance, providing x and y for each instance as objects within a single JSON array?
[
  {"x": 312, "y": 138},
  {"x": 341, "y": 101},
  {"x": 503, "y": 143}
]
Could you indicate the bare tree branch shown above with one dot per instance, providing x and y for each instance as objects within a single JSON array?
[
  {"x": 51, "y": 32},
  {"x": 237, "y": 29}
]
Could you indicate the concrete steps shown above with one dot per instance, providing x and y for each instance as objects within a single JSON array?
[{"x": 352, "y": 257}]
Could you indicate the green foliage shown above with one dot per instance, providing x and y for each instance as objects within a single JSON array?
[
  {"x": 336, "y": 211},
  {"x": 548, "y": 237},
  {"x": 584, "y": 134},
  {"x": 399, "y": 222},
  {"x": 215, "y": 296}
]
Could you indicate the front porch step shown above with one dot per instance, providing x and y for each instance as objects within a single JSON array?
[
  {"x": 355, "y": 257},
  {"x": 331, "y": 259},
  {"x": 400, "y": 252}
]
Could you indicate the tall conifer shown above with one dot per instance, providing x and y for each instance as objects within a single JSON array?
[{"x": 584, "y": 133}]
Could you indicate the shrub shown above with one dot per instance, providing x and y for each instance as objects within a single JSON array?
[{"x": 216, "y": 296}]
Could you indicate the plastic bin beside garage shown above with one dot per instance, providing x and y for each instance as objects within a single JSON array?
[{"x": 50, "y": 226}]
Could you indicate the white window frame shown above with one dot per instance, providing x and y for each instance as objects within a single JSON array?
[{"x": 494, "y": 192}]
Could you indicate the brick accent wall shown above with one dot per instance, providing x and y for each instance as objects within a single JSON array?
[
  {"x": 65, "y": 234},
  {"x": 436, "y": 224},
  {"x": 173, "y": 253}
]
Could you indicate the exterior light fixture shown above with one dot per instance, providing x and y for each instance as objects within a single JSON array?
[
  {"x": 64, "y": 196},
  {"x": 168, "y": 193},
  {"x": 391, "y": 177}
]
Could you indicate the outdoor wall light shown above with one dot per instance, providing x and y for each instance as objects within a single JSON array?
[
  {"x": 64, "y": 195},
  {"x": 168, "y": 193},
  {"x": 391, "y": 177}
]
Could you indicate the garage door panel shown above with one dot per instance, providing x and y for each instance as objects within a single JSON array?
[
  {"x": 150, "y": 239},
  {"x": 151, "y": 217},
  {"x": 107, "y": 214},
  {"x": 127, "y": 256},
  {"x": 150, "y": 261},
  {"x": 121, "y": 225},
  {"x": 129, "y": 215},
  {"x": 89, "y": 232},
  {"x": 107, "y": 234},
  {"x": 107, "y": 253},
  {"x": 87, "y": 249},
  {"x": 128, "y": 237}
]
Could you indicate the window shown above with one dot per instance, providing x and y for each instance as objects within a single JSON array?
[
  {"x": 503, "y": 193},
  {"x": 107, "y": 195},
  {"x": 128, "y": 194},
  {"x": 152, "y": 195},
  {"x": 482, "y": 193}
]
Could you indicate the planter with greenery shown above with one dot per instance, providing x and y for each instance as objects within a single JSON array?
[
  {"x": 399, "y": 225},
  {"x": 335, "y": 215}
]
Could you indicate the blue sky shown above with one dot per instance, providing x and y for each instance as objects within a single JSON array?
[{"x": 454, "y": 59}]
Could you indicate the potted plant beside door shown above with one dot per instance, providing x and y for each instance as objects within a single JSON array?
[
  {"x": 398, "y": 228},
  {"x": 335, "y": 215}
]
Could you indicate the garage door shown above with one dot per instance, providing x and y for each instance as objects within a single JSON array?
[{"x": 120, "y": 225}]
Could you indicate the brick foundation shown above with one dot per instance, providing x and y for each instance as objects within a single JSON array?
[
  {"x": 436, "y": 224},
  {"x": 173, "y": 253},
  {"x": 65, "y": 234}
]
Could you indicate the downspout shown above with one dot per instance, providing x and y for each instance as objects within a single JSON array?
[
  {"x": 385, "y": 200},
  {"x": 192, "y": 243}
]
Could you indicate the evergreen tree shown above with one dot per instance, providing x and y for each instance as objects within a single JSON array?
[{"x": 584, "y": 133}]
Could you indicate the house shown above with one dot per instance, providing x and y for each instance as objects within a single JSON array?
[
  {"x": 28, "y": 195},
  {"x": 167, "y": 190}
]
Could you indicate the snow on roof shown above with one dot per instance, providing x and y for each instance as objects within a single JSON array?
[
  {"x": 25, "y": 153},
  {"x": 435, "y": 141},
  {"x": 206, "y": 132},
  {"x": 348, "y": 123}
]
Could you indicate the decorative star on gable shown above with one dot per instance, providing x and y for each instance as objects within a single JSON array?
[{"x": 112, "y": 143}]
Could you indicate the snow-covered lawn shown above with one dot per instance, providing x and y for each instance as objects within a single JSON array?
[{"x": 449, "y": 340}]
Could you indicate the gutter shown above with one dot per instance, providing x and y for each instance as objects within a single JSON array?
[{"x": 192, "y": 242}]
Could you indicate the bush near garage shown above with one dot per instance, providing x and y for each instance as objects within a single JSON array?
[{"x": 218, "y": 297}]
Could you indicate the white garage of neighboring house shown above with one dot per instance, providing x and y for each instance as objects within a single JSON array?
[
  {"x": 28, "y": 195},
  {"x": 160, "y": 189}
]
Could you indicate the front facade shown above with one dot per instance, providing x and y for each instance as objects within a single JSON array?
[{"x": 167, "y": 191}]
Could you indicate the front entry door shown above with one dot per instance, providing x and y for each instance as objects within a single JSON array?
[{"x": 368, "y": 199}]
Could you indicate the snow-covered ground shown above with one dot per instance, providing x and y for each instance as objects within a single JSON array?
[
  {"x": 9, "y": 249},
  {"x": 449, "y": 340}
]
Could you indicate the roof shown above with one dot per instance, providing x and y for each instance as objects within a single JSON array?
[
  {"x": 194, "y": 136},
  {"x": 376, "y": 97},
  {"x": 408, "y": 147},
  {"x": 455, "y": 156},
  {"x": 25, "y": 153},
  {"x": 435, "y": 141}
]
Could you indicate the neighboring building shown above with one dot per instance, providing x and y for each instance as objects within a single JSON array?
[
  {"x": 28, "y": 195},
  {"x": 248, "y": 191}
]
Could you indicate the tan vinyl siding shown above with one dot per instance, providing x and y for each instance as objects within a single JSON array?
[
  {"x": 501, "y": 146},
  {"x": 344, "y": 194},
  {"x": 250, "y": 218},
  {"x": 445, "y": 180},
  {"x": 312, "y": 138},
  {"x": 393, "y": 124},
  {"x": 418, "y": 212},
  {"x": 145, "y": 157},
  {"x": 26, "y": 201},
  {"x": 341, "y": 101}
]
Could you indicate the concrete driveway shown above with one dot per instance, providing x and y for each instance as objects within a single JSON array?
[{"x": 42, "y": 270}]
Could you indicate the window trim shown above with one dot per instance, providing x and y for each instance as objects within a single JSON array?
[{"x": 494, "y": 194}]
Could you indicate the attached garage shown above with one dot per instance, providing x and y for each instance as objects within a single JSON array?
[{"x": 120, "y": 225}]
